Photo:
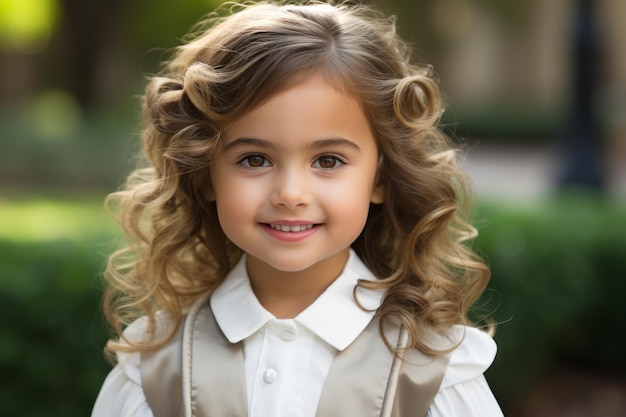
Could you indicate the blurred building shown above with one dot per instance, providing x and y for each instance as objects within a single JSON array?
[
  {"x": 504, "y": 65},
  {"x": 515, "y": 65}
]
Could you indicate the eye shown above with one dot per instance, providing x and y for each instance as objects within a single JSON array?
[
  {"x": 328, "y": 162},
  {"x": 254, "y": 161}
]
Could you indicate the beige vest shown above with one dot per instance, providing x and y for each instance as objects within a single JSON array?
[{"x": 201, "y": 374}]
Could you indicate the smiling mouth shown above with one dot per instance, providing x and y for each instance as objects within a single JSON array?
[{"x": 291, "y": 228}]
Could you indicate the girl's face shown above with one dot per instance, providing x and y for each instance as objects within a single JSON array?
[{"x": 294, "y": 181}]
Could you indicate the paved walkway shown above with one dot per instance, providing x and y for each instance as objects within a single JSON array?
[{"x": 523, "y": 173}]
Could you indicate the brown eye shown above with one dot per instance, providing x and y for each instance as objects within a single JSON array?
[
  {"x": 328, "y": 162},
  {"x": 255, "y": 161}
]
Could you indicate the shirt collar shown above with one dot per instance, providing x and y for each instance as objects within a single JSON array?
[
  {"x": 235, "y": 307},
  {"x": 334, "y": 316}
]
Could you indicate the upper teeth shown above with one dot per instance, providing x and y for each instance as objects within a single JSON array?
[{"x": 286, "y": 228}]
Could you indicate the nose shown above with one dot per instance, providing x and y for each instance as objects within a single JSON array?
[{"x": 291, "y": 189}]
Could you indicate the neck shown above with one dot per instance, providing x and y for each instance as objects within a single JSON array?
[{"x": 286, "y": 294}]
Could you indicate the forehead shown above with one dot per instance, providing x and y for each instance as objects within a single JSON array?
[
  {"x": 278, "y": 83},
  {"x": 308, "y": 110}
]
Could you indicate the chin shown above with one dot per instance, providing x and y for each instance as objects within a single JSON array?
[{"x": 289, "y": 267}]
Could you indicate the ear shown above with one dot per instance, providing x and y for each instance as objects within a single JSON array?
[{"x": 378, "y": 194}]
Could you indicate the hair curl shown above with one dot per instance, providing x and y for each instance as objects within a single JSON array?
[{"x": 415, "y": 242}]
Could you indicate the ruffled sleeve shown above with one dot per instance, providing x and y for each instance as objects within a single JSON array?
[
  {"x": 121, "y": 394},
  {"x": 464, "y": 391}
]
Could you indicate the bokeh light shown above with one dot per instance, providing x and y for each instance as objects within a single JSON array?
[{"x": 27, "y": 25}]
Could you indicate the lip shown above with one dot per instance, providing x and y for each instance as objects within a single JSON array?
[{"x": 290, "y": 230}]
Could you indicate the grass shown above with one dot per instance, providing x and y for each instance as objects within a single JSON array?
[{"x": 47, "y": 219}]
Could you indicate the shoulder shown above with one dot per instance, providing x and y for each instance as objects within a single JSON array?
[
  {"x": 142, "y": 330},
  {"x": 473, "y": 356},
  {"x": 122, "y": 393},
  {"x": 464, "y": 389},
  {"x": 139, "y": 332}
]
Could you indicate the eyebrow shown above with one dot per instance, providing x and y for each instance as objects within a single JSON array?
[{"x": 318, "y": 144}]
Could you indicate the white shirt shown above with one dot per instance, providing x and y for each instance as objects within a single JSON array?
[{"x": 287, "y": 360}]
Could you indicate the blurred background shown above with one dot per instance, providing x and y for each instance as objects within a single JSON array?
[{"x": 536, "y": 92}]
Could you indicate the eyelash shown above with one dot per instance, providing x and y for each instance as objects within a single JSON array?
[
  {"x": 244, "y": 161},
  {"x": 338, "y": 160}
]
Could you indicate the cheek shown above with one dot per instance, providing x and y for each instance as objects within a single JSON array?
[
  {"x": 357, "y": 188},
  {"x": 233, "y": 217},
  {"x": 350, "y": 200},
  {"x": 236, "y": 201}
]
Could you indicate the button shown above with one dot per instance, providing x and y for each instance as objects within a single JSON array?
[
  {"x": 288, "y": 335},
  {"x": 269, "y": 376}
]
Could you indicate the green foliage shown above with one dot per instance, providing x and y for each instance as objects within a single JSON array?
[
  {"x": 89, "y": 152},
  {"x": 558, "y": 272},
  {"x": 504, "y": 122},
  {"x": 52, "y": 334},
  {"x": 173, "y": 20},
  {"x": 558, "y": 281},
  {"x": 51, "y": 254}
]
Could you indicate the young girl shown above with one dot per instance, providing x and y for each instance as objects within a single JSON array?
[{"x": 296, "y": 239}]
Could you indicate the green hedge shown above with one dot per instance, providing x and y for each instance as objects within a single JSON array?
[
  {"x": 559, "y": 270},
  {"x": 51, "y": 340},
  {"x": 52, "y": 252},
  {"x": 557, "y": 288},
  {"x": 505, "y": 122}
]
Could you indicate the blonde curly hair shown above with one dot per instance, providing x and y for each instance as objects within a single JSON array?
[{"x": 415, "y": 242}]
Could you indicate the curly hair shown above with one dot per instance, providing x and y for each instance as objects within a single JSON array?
[{"x": 415, "y": 242}]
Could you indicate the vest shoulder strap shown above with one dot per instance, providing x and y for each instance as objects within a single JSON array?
[
  {"x": 367, "y": 379},
  {"x": 200, "y": 374},
  {"x": 161, "y": 374}
]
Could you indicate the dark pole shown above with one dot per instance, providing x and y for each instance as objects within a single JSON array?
[{"x": 582, "y": 147}]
